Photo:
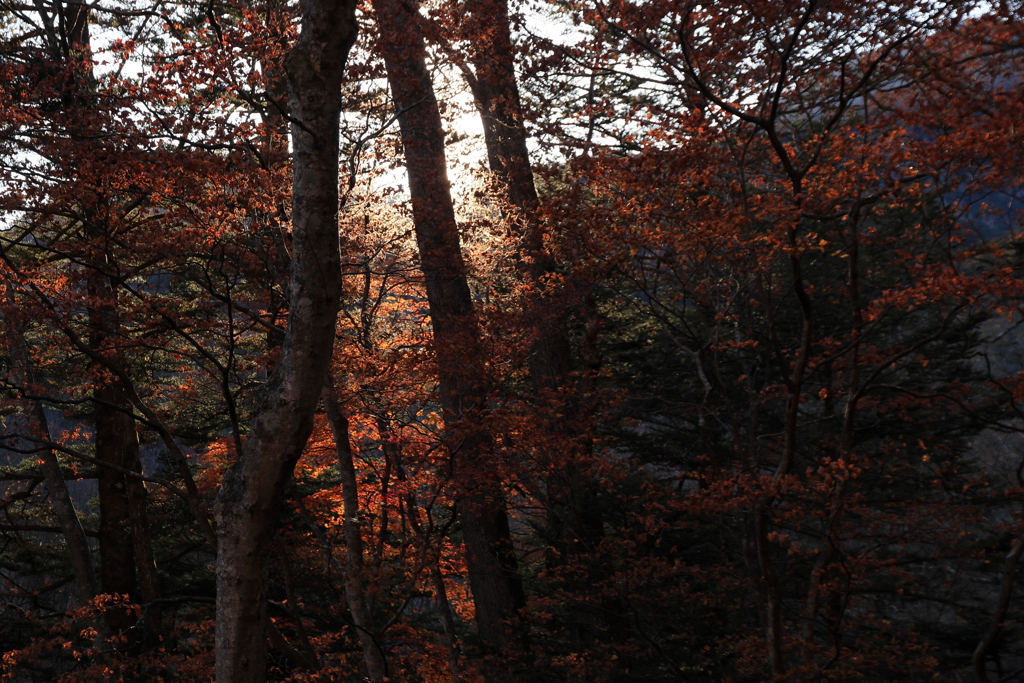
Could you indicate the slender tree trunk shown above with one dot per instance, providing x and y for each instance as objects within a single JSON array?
[
  {"x": 574, "y": 518},
  {"x": 145, "y": 562},
  {"x": 981, "y": 652},
  {"x": 496, "y": 92},
  {"x": 447, "y": 621},
  {"x": 355, "y": 588},
  {"x": 493, "y": 571},
  {"x": 769, "y": 587},
  {"x": 251, "y": 493},
  {"x": 86, "y": 583}
]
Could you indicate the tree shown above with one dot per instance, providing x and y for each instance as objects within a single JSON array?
[
  {"x": 66, "y": 76},
  {"x": 799, "y": 143},
  {"x": 719, "y": 385},
  {"x": 462, "y": 373},
  {"x": 252, "y": 490}
]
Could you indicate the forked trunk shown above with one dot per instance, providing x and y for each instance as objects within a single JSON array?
[{"x": 251, "y": 493}]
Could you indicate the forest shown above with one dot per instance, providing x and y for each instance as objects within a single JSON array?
[{"x": 511, "y": 341}]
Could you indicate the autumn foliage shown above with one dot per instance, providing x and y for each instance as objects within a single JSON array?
[{"x": 703, "y": 362}]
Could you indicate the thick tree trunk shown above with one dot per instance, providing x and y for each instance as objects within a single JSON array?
[
  {"x": 123, "y": 534},
  {"x": 127, "y": 565},
  {"x": 125, "y": 551},
  {"x": 355, "y": 588},
  {"x": 252, "y": 490},
  {"x": 493, "y": 572},
  {"x": 116, "y": 444},
  {"x": 493, "y": 568}
]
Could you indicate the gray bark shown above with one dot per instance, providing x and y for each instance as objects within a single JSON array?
[{"x": 253, "y": 487}]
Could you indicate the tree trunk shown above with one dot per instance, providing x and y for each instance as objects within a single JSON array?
[
  {"x": 86, "y": 583},
  {"x": 123, "y": 533},
  {"x": 145, "y": 562},
  {"x": 493, "y": 571},
  {"x": 253, "y": 487},
  {"x": 979, "y": 659},
  {"x": 496, "y": 92},
  {"x": 575, "y": 520},
  {"x": 447, "y": 621},
  {"x": 117, "y": 444},
  {"x": 125, "y": 552},
  {"x": 355, "y": 589}
]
